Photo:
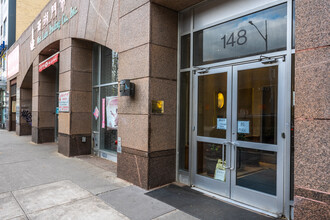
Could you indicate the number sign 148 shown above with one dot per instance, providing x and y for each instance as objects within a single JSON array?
[{"x": 241, "y": 39}]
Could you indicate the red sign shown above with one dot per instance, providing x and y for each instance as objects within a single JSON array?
[{"x": 47, "y": 63}]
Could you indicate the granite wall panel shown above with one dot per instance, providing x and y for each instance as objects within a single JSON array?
[{"x": 312, "y": 28}]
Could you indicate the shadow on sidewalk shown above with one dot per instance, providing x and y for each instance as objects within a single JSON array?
[{"x": 201, "y": 206}]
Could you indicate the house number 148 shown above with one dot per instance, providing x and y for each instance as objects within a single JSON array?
[{"x": 241, "y": 39}]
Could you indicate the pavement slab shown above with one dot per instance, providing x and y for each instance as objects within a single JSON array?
[
  {"x": 176, "y": 215},
  {"x": 9, "y": 208},
  {"x": 48, "y": 195},
  {"x": 132, "y": 202},
  {"x": 91, "y": 208}
]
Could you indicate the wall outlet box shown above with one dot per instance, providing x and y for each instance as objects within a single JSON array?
[{"x": 83, "y": 139}]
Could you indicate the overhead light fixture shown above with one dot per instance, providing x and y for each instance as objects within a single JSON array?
[{"x": 221, "y": 100}]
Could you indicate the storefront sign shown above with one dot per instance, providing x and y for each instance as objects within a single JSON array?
[
  {"x": 243, "y": 127},
  {"x": 47, "y": 63},
  {"x": 112, "y": 112},
  {"x": 64, "y": 101},
  {"x": 103, "y": 113},
  {"x": 96, "y": 113},
  {"x": 13, "y": 62},
  {"x": 51, "y": 21}
]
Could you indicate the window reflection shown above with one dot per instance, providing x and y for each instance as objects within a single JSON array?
[
  {"x": 212, "y": 104},
  {"x": 260, "y": 32},
  {"x": 257, "y": 105}
]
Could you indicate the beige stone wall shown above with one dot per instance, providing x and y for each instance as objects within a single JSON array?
[{"x": 26, "y": 12}]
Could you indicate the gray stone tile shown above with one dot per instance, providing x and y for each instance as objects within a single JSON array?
[
  {"x": 176, "y": 215},
  {"x": 131, "y": 201},
  {"x": 85, "y": 209},
  {"x": 46, "y": 196},
  {"x": 9, "y": 208}
]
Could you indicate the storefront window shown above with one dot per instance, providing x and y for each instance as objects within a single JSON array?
[
  {"x": 184, "y": 121},
  {"x": 293, "y": 24},
  {"x": 105, "y": 100},
  {"x": 260, "y": 32},
  {"x": 185, "y": 51}
]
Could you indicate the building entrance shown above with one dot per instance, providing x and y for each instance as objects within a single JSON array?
[{"x": 238, "y": 133}]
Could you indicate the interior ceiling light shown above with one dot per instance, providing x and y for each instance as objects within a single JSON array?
[{"x": 221, "y": 100}]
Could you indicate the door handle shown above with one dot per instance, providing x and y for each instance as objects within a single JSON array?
[
  {"x": 223, "y": 155},
  {"x": 232, "y": 154}
]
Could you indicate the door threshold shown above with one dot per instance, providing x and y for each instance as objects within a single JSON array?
[{"x": 232, "y": 202}]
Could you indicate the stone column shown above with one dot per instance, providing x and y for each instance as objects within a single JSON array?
[
  {"x": 25, "y": 124},
  {"x": 75, "y": 77},
  {"x": 43, "y": 103},
  {"x": 312, "y": 114},
  {"x": 24, "y": 127},
  {"x": 148, "y": 48}
]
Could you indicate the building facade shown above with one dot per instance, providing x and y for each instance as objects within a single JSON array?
[
  {"x": 211, "y": 94},
  {"x": 16, "y": 16}
]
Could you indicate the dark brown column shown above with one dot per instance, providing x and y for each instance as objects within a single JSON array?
[
  {"x": 148, "y": 48},
  {"x": 312, "y": 114},
  {"x": 75, "y": 77},
  {"x": 43, "y": 103}
]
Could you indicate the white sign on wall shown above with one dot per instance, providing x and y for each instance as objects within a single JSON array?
[
  {"x": 13, "y": 62},
  {"x": 64, "y": 101}
]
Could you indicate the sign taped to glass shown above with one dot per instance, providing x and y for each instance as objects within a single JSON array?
[
  {"x": 112, "y": 112},
  {"x": 48, "y": 62}
]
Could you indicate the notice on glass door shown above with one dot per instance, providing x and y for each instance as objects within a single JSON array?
[
  {"x": 222, "y": 123},
  {"x": 220, "y": 171},
  {"x": 243, "y": 127}
]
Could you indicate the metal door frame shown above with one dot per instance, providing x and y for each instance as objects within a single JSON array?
[
  {"x": 265, "y": 201},
  {"x": 198, "y": 180}
]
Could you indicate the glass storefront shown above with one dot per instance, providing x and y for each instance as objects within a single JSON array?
[
  {"x": 233, "y": 101},
  {"x": 105, "y": 102}
]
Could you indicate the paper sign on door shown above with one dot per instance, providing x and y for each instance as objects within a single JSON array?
[
  {"x": 222, "y": 123},
  {"x": 220, "y": 171},
  {"x": 243, "y": 127}
]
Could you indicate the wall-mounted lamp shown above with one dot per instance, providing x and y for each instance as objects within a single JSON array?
[{"x": 127, "y": 88}]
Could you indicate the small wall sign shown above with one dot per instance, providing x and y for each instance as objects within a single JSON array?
[{"x": 64, "y": 102}]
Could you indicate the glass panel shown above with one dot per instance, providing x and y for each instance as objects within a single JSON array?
[
  {"x": 184, "y": 121},
  {"x": 109, "y": 66},
  {"x": 256, "y": 169},
  {"x": 293, "y": 24},
  {"x": 96, "y": 78},
  {"x": 184, "y": 19},
  {"x": 292, "y": 127},
  {"x": 185, "y": 51},
  {"x": 212, "y": 105},
  {"x": 108, "y": 117},
  {"x": 261, "y": 32},
  {"x": 257, "y": 105},
  {"x": 209, "y": 160}
]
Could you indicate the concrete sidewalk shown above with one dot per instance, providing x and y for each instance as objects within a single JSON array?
[{"x": 38, "y": 183}]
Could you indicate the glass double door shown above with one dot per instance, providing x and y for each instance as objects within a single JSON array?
[{"x": 237, "y": 140}]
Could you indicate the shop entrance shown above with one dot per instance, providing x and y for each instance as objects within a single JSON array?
[{"x": 238, "y": 136}]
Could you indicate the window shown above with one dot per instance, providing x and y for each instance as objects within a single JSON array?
[
  {"x": 4, "y": 27},
  {"x": 105, "y": 100}
]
